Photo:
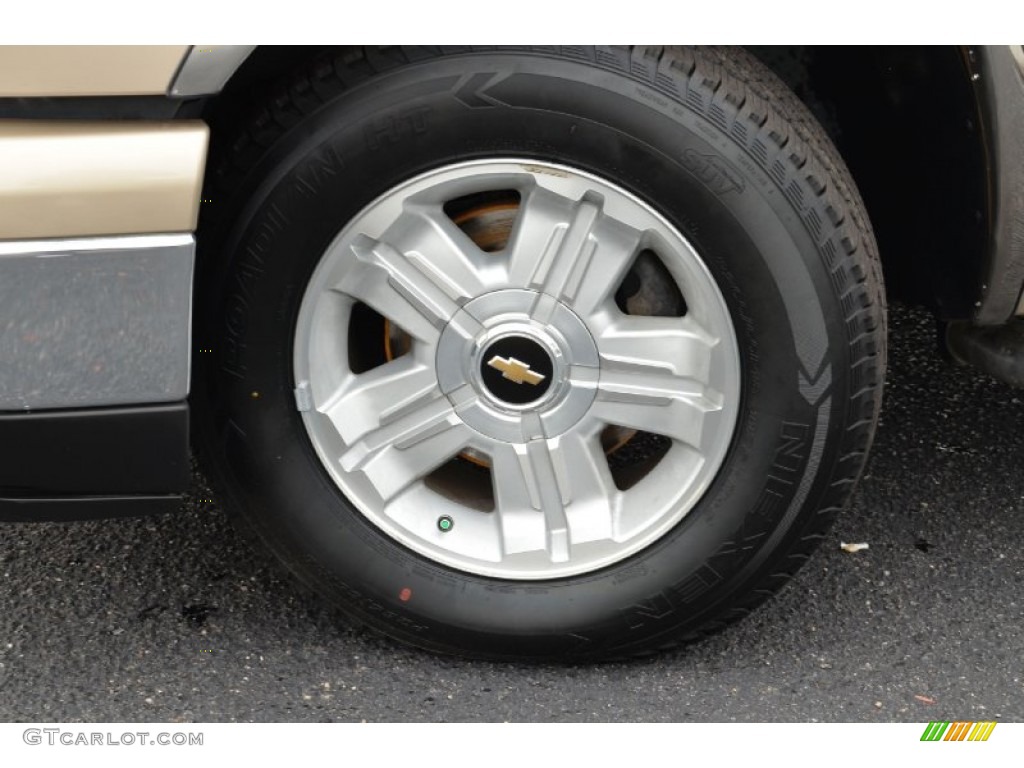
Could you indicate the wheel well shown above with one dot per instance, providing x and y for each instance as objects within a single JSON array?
[
  {"x": 251, "y": 87},
  {"x": 906, "y": 120}
]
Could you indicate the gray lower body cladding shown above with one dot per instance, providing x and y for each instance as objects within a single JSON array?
[{"x": 95, "y": 322}]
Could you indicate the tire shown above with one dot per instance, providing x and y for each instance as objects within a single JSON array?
[{"x": 663, "y": 236}]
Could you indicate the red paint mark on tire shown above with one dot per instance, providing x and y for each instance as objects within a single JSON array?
[{"x": 405, "y": 594}]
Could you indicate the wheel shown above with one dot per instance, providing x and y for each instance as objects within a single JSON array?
[{"x": 561, "y": 353}]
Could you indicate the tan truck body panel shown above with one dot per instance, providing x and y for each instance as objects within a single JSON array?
[
  {"x": 88, "y": 70},
  {"x": 75, "y": 179}
]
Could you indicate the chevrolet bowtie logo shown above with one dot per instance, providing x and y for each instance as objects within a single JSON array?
[{"x": 516, "y": 370}]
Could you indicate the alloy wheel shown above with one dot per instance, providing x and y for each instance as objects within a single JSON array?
[{"x": 516, "y": 369}]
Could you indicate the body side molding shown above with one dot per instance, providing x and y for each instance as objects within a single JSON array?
[{"x": 95, "y": 321}]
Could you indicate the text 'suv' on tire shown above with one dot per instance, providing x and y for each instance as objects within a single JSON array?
[{"x": 535, "y": 354}]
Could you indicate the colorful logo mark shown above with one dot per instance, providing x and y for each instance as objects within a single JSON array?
[{"x": 959, "y": 731}]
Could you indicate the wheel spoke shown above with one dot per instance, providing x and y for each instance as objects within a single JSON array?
[
  {"x": 400, "y": 287},
  {"x": 415, "y": 442},
  {"x": 631, "y": 395},
  {"x": 568, "y": 250},
  {"x": 587, "y": 486},
  {"x": 646, "y": 345},
  {"x": 442, "y": 251},
  {"x": 551, "y": 494},
  {"x": 366, "y": 401}
]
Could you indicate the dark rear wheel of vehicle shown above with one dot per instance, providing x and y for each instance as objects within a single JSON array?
[{"x": 558, "y": 353}]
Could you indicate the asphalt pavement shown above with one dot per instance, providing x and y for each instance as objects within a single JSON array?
[{"x": 177, "y": 619}]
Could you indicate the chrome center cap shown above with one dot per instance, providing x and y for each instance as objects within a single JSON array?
[{"x": 518, "y": 365}]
